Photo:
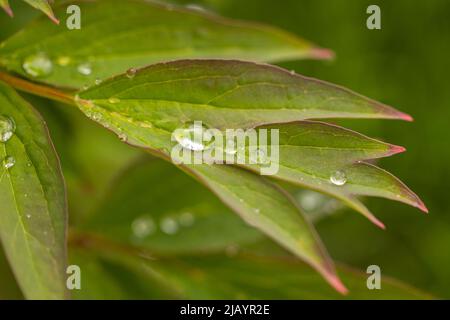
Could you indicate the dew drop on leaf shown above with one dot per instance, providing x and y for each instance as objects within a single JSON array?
[
  {"x": 195, "y": 137},
  {"x": 143, "y": 226},
  {"x": 131, "y": 73},
  {"x": 85, "y": 69},
  {"x": 123, "y": 137},
  {"x": 338, "y": 178},
  {"x": 38, "y": 65},
  {"x": 186, "y": 219},
  {"x": 9, "y": 162},
  {"x": 169, "y": 225},
  {"x": 7, "y": 128}
]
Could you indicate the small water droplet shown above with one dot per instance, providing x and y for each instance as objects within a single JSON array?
[
  {"x": 38, "y": 65},
  {"x": 28, "y": 216},
  {"x": 98, "y": 81},
  {"x": 232, "y": 250},
  {"x": 113, "y": 100},
  {"x": 96, "y": 116},
  {"x": 186, "y": 219},
  {"x": 338, "y": 178},
  {"x": 9, "y": 162},
  {"x": 131, "y": 73},
  {"x": 292, "y": 71},
  {"x": 195, "y": 7},
  {"x": 84, "y": 68},
  {"x": 195, "y": 137},
  {"x": 169, "y": 225},
  {"x": 123, "y": 137},
  {"x": 63, "y": 61},
  {"x": 256, "y": 210},
  {"x": 7, "y": 128},
  {"x": 143, "y": 226}
]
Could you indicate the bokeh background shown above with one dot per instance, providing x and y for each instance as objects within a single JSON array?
[{"x": 406, "y": 65}]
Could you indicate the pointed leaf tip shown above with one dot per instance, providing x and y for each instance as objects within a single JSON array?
[
  {"x": 7, "y": 9},
  {"x": 393, "y": 149},
  {"x": 322, "y": 54}
]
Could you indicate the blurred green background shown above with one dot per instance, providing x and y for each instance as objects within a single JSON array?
[{"x": 406, "y": 65}]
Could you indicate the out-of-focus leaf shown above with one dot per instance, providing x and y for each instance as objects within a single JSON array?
[
  {"x": 146, "y": 32},
  {"x": 9, "y": 289},
  {"x": 125, "y": 278},
  {"x": 155, "y": 206},
  {"x": 237, "y": 276},
  {"x": 43, "y": 6},
  {"x": 33, "y": 211}
]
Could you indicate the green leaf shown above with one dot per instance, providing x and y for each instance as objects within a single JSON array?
[
  {"x": 9, "y": 289},
  {"x": 43, "y": 6},
  {"x": 231, "y": 94},
  {"x": 146, "y": 32},
  {"x": 310, "y": 153},
  {"x": 270, "y": 209},
  {"x": 33, "y": 215},
  {"x": 260, "y": 203},
  {"x": 238, "y": 276},
  {"x": 226, "y": 94},
  {"x": 154, "y": 205}
]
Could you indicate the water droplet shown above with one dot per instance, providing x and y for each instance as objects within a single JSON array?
[
  {"x": 131, "y": 73},
  {"x": 339, "y": 178},
  {"x": 7, "y": 128},
  {"x": 232, "y": 250},
  {"x": 169, "y": 225},
  {"x": 63, "y": 61},
  {"x": 143, "y": 226},
  {"x": 113, "y": 100},
  {"x": 195, "y": 7},
  {"x": 9, "y": 162},
  {"x": 28, "y": 216},
  {"x": 38, "y": 65},
  {"x": 292, "y": 71},
  {"x": 256, "y": 210},
  {"x": 96, "y": 116},
  {"x": 310, "y": 200},
  {"x": 123, "y": 137},
  {"x": 195, "y": 137},
  {"x": 98, "y": 81},
  {"x": 85, "y": 69},
  {"x": 186, "y": 219}
]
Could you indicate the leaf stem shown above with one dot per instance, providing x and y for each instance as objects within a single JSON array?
[{"x": 37, "y": 89}]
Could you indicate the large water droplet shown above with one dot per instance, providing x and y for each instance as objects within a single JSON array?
[
  {"x": 9, "y": 162},
  {"x": 169, "y": 225},
  {"x": 38, "y": 65},
  {"x": 143, "y": 226},
  {"x": 131, "y": 73},
  {"x": 195, "y": 137},
  {"x": 186, "y": 219},
  {"x": 338, "y": 178},
  {"x": 7, "y": 128},
  {"x": 84, "y": 68}
]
